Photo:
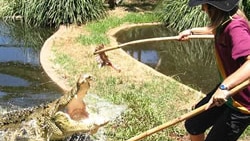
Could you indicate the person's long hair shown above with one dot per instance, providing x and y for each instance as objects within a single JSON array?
[{"x": 219, "y": 17}]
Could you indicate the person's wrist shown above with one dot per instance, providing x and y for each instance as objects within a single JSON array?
[
  {"x": 225, "y": 90},
  {"x": 223, "y": 87},
  {"x": 191, "y": 32}
]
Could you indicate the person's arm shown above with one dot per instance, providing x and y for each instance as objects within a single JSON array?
[
  {"x": 201, "y": 30},
  {"x": 239, "y": 76},
  {"x": 242, "y": 74},
  {"x": 195, "y": 31}
]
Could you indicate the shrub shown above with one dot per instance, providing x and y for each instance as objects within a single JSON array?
[
  {"x": 54, "y": 12},
  {"x": 178, "y": 15}
]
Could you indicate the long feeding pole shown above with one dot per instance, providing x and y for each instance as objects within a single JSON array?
[
  {"x": 153, "y": 40},
  {"x": 185, "y": 116}
]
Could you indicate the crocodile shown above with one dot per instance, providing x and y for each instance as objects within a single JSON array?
[{"x": 55, "y": 120}]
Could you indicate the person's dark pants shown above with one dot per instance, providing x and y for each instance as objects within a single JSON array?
[{"x": 227, "y": 124}]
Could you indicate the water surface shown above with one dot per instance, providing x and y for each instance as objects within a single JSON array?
[
  {"x": 23, "y": 83},
  {"x": 190, "y": 62}
]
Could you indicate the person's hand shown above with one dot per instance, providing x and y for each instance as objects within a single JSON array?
[
  {"x": 184, "y": 35},
  {"x": 218, "y": 99}
]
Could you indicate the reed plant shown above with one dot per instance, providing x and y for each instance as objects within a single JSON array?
[
  {"x": 53, "y": 12},
  {"x": 178, "y": 15},
  {"x": 246, "y": 7}
]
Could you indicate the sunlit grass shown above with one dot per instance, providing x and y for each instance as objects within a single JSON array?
[
  {"x": 148, "y": 106},
  {"x": 98, "y": 29},
  {"x": 94, "y": 39}
]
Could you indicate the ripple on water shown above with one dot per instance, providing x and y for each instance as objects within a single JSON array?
[{"x": 8, "y": 80}]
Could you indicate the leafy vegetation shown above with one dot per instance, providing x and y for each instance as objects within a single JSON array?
[
  {"x": 178, "y": 15},
  {"x": 246, "y": 7},
  {"x": 53, "y": 12},
  {"x": 56, "y": 12}
]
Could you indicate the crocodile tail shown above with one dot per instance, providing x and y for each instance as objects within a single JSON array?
[{"x": 16, "y": 116}]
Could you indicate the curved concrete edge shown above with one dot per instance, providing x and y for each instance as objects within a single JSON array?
[
  {"x": 46, "y": 57},
  {"x": 46, "y": 60}
]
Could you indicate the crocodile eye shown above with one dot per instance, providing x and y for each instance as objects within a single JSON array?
[
  {"x": 84, "y": 78},
  {"x": 88, "y": 76}
]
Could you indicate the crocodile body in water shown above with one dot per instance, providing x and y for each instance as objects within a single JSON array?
[{"x": 50, "y": 121}]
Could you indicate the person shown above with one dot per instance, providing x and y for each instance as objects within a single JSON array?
[{"x": 228, "y": 115}]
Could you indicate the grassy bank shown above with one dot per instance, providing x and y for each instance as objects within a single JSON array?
[{"x": 152, "y": 98}]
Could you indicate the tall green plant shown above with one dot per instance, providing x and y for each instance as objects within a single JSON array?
[
  {"x": 246, "y": 7},
  {"x": 178, "y": 15},
  {"x": 55, "y": 12},
  {"x": 10, "y": 8}
]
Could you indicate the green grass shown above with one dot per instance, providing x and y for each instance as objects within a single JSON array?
[
  {"x": 150, "y": 103},
  {"x": 148, "y": 106},
  {"x": 98, "y": 29}
]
